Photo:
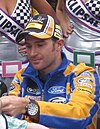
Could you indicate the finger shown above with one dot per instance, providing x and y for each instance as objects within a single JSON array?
[{"x": 23, "y": 53}]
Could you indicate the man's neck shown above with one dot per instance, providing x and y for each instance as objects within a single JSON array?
[{"x": 49, "y": 69}]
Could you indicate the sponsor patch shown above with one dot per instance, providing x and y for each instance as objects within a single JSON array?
[
  {"x": 57, "y": 90},
  {"x": 58, "y": 100},
  {"x": 82, "y": 80},
  {"x": 11, "y": 88},
  {"x": 33, "y": 97},
  {"x": 16, "y": 80},
  {"x": 85, "y": 74},
  {"x": 33, "y": 90},
  {"x": 84, "y": 90},
  {"x": 86, "y": 85}
]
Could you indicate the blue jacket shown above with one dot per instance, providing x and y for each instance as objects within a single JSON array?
[{"x": 76, "y": 88}]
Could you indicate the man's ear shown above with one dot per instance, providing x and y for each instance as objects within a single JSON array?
[{"x": 60, "y": 44}]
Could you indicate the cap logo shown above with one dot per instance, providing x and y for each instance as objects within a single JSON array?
[
  {"x": 58, "y": 32},
  {"x": 39, "y": 19},
  {"x": 34, "y": 25}
]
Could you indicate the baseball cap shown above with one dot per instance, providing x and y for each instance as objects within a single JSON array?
[{"x": 41, "y": 26}]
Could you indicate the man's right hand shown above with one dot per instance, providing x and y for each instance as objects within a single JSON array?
[{"x": 13, "y": 105}]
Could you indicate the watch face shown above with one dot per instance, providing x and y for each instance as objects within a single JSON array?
[{"x": 32, "y": 109}]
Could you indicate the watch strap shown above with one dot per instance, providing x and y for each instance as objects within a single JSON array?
[{"x": 36, "y": 117}]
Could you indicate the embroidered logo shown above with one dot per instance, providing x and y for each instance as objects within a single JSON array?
[{"x": 57, "y": 90}]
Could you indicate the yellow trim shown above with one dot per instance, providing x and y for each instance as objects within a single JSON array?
[
  {"x": 57, "y": 35},
  {"x": 41, "y": 35},
  {"x": 58, "y": 27},
  {"x": 34, "y": 25},
  {"x": 50, "y": 28}
]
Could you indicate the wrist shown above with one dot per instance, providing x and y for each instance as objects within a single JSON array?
[
  {"x": 25, "y": 102},
  {"x": 33, "y": 111}
]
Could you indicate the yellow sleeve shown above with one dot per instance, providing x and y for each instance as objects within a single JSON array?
[
  {"x": 83, "y": 102},
  {"x": 15, "y": 84}
]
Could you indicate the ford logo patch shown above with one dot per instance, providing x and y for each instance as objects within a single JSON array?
[{"x": 57, "y": 90}]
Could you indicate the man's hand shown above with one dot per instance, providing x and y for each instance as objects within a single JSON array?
[
  {"x": 22, "y": 50},
  {"x": 13, "y": 106}
]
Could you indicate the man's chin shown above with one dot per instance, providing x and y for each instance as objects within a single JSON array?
[{"x": 37, "y": 67}]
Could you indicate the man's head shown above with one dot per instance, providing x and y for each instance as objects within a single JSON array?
[{"x": 43, "y": 39}]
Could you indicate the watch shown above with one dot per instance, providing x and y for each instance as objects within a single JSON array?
[
  {"x": 32, "y": 108},
  {"x": 33, "y": 111}
]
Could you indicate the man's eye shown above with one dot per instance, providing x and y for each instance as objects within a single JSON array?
[
  {"x": 40, "y": 45},
  {"x": 27, "y": 46}
]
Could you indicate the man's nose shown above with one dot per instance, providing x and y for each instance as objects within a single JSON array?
[{"x": 33, "y": 51}]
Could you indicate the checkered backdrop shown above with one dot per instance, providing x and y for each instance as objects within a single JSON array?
[{"x": 22, "y": 12}]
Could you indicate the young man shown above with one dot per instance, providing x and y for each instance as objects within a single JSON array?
[{"x": 51, "y": 79}]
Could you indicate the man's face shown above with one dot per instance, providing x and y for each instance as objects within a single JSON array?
[{"x": 42, "y": 54}]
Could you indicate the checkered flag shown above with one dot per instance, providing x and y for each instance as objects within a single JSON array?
[
  {"x": 94, "y": 7},
  {"x": 22, "y": 13}
]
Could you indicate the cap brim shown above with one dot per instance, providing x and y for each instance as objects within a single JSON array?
[{"x": 23, "y": 34}]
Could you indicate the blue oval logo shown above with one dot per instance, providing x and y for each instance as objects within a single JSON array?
[
  {"x": 57, "y": 90},
  {"x": 85, "y": 80},
  {"x": 57, "y": 100}
]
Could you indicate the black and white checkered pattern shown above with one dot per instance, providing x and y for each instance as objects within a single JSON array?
[
  {"x": 22, "y": 12},
  {"x": 94, "y": 7}
]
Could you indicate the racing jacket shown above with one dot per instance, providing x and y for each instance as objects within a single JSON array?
[{"x": 68, "y": 96}]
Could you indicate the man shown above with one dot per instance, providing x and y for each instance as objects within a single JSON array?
[{"x": 51, "y": 79}]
